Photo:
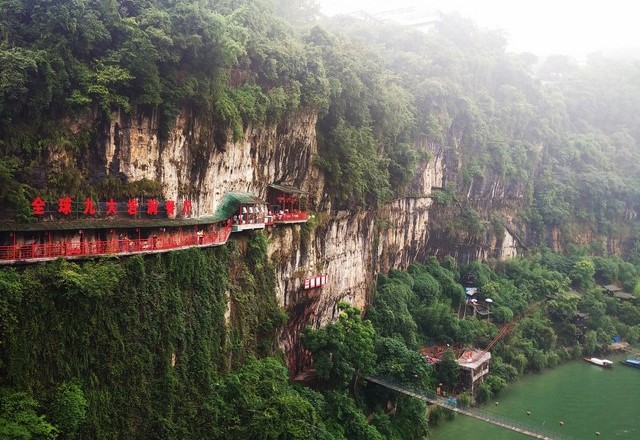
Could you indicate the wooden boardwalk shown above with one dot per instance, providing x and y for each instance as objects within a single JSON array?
[{"x": 451, "y": 404}]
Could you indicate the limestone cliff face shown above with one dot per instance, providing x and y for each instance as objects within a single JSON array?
[
  {"x": 194, "y": 162},
  {"x": 341, "y": 248},
  {"x": 403, "y": 224},
  {"x": 351, "y": 248}
]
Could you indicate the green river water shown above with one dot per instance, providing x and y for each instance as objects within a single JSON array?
[{"x": 587, "y": 398}]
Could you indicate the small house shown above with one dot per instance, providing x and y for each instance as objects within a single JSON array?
[{"x": 475, "y": 367}]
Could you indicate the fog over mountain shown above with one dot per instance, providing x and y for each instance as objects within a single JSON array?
[{"x": 544, "y": 27}]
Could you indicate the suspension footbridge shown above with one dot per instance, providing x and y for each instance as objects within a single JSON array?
[{"x": 486, "y": 416}]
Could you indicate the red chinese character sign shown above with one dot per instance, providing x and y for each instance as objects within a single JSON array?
[
  {"x": 64, "y": 205},
  {"x": 170, "y": 207},
  {"x": 89, "y": 209},
  {"x": 152, "y": 207},
  {"x": 38, "y": 206},
  {"x": 111, "y": 208},
  {"x": 186, "y": 208},
  {"x": 132, "y": 207}
]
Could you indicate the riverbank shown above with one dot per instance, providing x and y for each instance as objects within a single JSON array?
[{"x": 586, "y": 398}]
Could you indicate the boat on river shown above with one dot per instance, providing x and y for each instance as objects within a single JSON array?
[
  {"x": 605, "y": 363},
  {"x": 635, "y": 363}
]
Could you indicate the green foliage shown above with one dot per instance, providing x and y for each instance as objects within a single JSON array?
[
  {"x": 19, "y": 418},
  {"x": 342, "y": 350},
  {"x": 443, "y": 198},
  {"x": 547, "y": 320},
  {"x": 539, "y": 332},
  {"x": 484, "y": 393},
  {"x": 357, "y": 173},
  {"x": 136, "y": 344},
  {"x": 562, "y": 309},
  {"x": 425, "y": 286},
  {"x": 347, "y": 421},
  {"x": 464, "y": 399},
  {"x": 257, "y": 401},
  {"x": 448, "y": 372},
  {"x": 582, "y": 274},
  {"x": 590, "y": 342},
  {"x": 534, "y": 279},
  {"x": 255, "y": 313},
  {"x": 397, "y": 362},
  {"x": 473, "y": 223},
  {"x": 105, "y": 83},
  {"x": 68, "y": 408},
  {"x": 408, "y": 421},
  {"x": 15, "y": 196},
  {"x": 503, "y": 370},
  {"x": 390, "y": 312},
  {"x": 496, "y": 383}
]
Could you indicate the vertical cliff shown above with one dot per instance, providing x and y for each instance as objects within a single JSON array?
[{"x": 198, "y": 161}]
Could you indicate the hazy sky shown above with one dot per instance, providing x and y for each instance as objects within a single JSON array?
[{"x": 543, "y": 27}]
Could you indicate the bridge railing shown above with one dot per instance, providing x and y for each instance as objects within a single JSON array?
[
  {"x": 451, "y": 403},
  {"x": 91, "y": 248}
]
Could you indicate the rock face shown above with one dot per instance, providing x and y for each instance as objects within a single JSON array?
[{"x": 198, "y": 163}]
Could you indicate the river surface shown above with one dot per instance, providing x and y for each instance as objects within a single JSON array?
[{"x": 587, "y": 398}]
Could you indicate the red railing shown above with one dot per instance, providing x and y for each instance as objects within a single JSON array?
[
  {"x": 290, "y": 216},
  {"x": 79, "y": 249}
]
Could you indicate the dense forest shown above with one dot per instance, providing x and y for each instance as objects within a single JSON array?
[{"x": 184, "y": 345}]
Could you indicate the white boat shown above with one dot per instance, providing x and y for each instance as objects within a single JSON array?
[{"x": 605, "y": 363}]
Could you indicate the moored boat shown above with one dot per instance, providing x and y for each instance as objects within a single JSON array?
[
  {"x": 605, "y": 363},
  {"x": 635, "y": 363}
]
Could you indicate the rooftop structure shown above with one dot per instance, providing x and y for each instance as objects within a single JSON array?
[
  {"x": 475, "y": 366},
  {"x": 618, "y": 292},
  {"x": 611, "y": 288},
  {"x": 624, "y": 296}
]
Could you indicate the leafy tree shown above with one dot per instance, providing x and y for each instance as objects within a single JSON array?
[
  {"x": 582, "y": 274},
  {"x": 68, "y": 408},
  {"x": 484, "y": 393},
  {"x": 398, "y": 363},
  {"x": 390, "y": 312},
  {"x": 562, "y": 308},
  {"x": 257, "y": 401},
  {"x": 342, "y": 351},
  {"x": 590, "y": 342},
  {"x": 496, "y": 383},
  {"x": 19, "y": 418},
  {"x": 448, "y": 370},
  {"x": 347, "y": 420},
  {"x": 539, "y": 332}
]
